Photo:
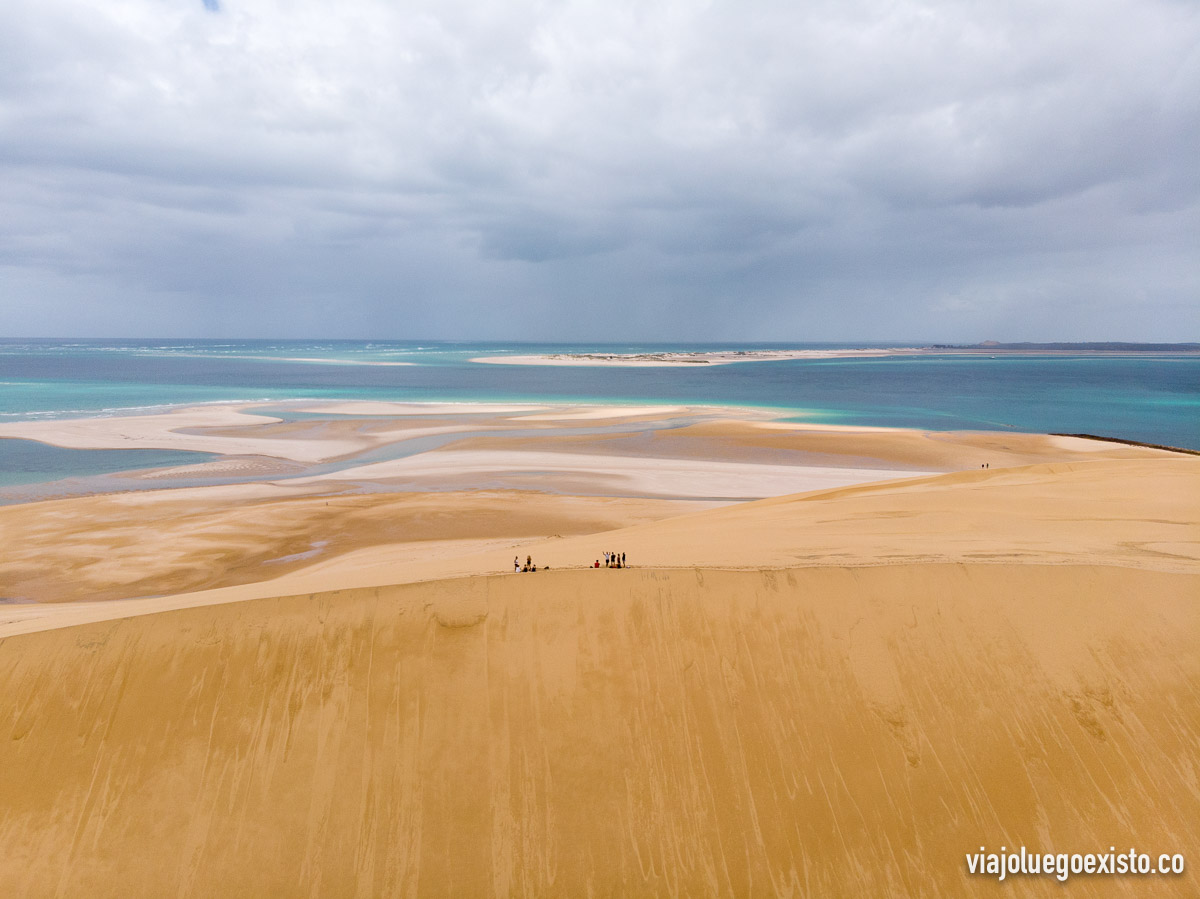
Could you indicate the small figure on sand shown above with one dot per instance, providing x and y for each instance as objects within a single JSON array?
[
  {"x": 516, "y": 563},
  {"x": 597, "y": 565}
]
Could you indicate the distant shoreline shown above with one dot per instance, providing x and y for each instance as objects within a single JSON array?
[
  {"x": 1066, "y": 346},
  {"x": 728, "y": 357},
  {"x": 648, "y": 360}
]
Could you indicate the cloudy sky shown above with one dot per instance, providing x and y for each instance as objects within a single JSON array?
[{"x": 806, "y": 170}]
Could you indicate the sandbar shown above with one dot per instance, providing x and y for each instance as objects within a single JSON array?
[
  {"x": 652, "y": 360},
  {"x": 615, "y": 475},
  {"x": 400, "y": 408},
  {"x": 226, "y": 430}
]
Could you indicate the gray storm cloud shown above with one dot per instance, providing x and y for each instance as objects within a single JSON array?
[{"x": 841, "y": 170}]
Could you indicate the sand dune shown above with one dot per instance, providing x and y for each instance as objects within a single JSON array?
[
  {"x": 835, "y": 693},
  {"x": 178, "y": 541},
  {"x": 825, "y": 732},
  {"x": 819, "y": 445},
  {"x": 1135, "y": 513},
  {"x": 490, "y": 486}
]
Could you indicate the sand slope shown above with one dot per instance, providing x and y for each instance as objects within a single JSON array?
[
  {"x": 1139, "y": 513},
  {"x": 176, "y": 541},
  {"x": 820, "y": 732},
  {"x": 839, "y": 693}
]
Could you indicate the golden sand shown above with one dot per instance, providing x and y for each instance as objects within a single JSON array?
[
  {"x": 822, "y": 731},
  {"x": 837, "y": 693},
  {"x": 166, "y": 542}
]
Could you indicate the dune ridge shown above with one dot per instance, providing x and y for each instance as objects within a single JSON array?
[{"x": 820, "y": 731}]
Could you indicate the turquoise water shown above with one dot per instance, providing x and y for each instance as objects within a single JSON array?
[
  {"x": 30, "y": 462},
  {"x": 1151, "y": 398}
]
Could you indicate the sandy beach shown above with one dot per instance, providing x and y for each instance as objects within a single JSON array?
[
  {"x": 652, "y": 360},
  {"x": 729, "y": 357},
  {"x": 842, "y": 659}
]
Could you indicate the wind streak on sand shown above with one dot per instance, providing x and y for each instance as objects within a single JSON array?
[{"x": 835, "y": 732}]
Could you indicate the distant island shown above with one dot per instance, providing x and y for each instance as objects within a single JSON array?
[
  {"x": 728, "y": 357},
  {"x": 1089, "y": 347},
  {"x": 720, "y": 357}
]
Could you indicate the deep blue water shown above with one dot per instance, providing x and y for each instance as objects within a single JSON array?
[{"x": 1155, "y": 399}]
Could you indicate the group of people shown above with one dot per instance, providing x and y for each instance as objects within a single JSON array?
[
  {"x": 528, "y": 566},
  {"x": 612, "y": 560}
]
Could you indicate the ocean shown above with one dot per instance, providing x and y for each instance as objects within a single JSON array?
[{"x": 1142, "y": 397}]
